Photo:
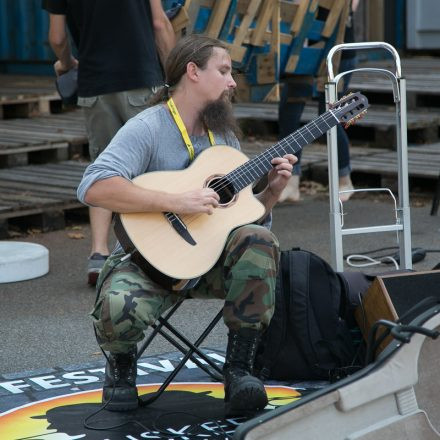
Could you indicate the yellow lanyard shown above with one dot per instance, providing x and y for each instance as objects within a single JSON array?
[{"x": 182, "y": 128}]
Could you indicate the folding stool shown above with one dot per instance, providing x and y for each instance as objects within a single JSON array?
[{"x": 176, "y": 338}]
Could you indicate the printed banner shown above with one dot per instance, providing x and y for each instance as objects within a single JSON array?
[{"x": 65, "y": 403}]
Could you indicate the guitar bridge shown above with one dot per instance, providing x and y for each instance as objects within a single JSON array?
[{"x": 179, "y": 226}]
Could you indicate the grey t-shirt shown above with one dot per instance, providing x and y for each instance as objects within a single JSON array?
[{"x": 150, "y": 141}]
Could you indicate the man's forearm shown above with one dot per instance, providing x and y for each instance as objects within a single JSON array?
[
  {"x": 59, "y": 42},
  {"x": 163, "y": 30},
  {"x": 63, "y": 53}
]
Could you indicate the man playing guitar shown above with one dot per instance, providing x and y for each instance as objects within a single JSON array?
[{"x": 193, "y": 114}]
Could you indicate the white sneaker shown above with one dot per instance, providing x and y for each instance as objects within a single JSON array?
[{"x": 345, "y": 184}]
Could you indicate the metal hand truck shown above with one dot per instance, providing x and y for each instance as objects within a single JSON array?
[{"x": 402, "y": 225}]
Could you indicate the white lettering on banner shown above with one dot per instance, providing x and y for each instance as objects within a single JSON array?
[
  {"x": 217, "y": 357},
  {"x": 150, "y": 434},
  {"x": 15, "y": 386},
  {"x": 180, "y": 432},
  {"x": 213, "y": 426},
  {"x": 190, "y": 364},
  {"x": 141, "y": 372},
  {"x": 97, "y": 370},
  {"x": 47, "y": 382},
  {"x": 82, "y": 377},
  {"x": 167, "y": 366},
  {"x": 79, "y": 378}
]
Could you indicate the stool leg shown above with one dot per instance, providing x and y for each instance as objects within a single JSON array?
[
  {"x": 157, "y": 329},
  {"x": 188, "y": 353}
]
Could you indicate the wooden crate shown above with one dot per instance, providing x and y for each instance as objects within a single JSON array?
[{"x": 268, "y": 39}]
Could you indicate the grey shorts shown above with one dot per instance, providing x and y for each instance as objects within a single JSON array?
[{"x": 106, "y": 114}]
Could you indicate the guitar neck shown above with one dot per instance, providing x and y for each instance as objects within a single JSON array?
[{"x": 254, "y": 169}]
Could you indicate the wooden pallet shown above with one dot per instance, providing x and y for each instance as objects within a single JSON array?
[
  {"x": 24, "y": 96},
  {"x": 268, "y": 38},
  {"x": 38, "y": 196},
  {"x": 377, "y": 127},
  {"x": 422, "y": 76},
  {"x": 423, "y": 161},
  {"x": 41, "y": 139}
]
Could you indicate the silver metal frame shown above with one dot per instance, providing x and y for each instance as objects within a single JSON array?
[{"x": 402, "y": 225}]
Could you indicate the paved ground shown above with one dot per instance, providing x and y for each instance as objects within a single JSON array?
[{"x": 44, "y": 322}]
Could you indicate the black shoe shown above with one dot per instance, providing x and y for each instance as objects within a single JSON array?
[
  {"x": 120, "y": 392},
  {"x": 244, "y": 393}
]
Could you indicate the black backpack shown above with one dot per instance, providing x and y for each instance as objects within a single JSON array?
[{"x": 310, "y": 336}]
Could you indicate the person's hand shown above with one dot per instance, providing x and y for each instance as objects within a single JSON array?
[
  {"x": 61, "y": 67},
  {"x": 198, "y": 201},
  {"x": 280, "y": 174}
]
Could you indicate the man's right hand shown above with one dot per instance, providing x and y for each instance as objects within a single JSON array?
[
  {"x": 61, "y": 67},
  {"x": 203, "y": 200}
]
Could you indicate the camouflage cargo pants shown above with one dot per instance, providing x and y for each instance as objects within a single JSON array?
[{"x": 245, "y": 276}]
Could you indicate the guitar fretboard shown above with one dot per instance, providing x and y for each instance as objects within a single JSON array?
[{"x": 255, "y": 168}]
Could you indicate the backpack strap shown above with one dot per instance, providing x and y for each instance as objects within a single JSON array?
[{"x": 276, "y": 333}]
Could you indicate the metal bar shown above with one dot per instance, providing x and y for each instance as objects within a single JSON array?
[
  {"x": 388, "y": 73},
  {"x": 194, "y": 347},
  {"x": 372, "y": 229},
  {"x": 357, "y": 46},
  {"x": 157, "y": 329},
  {"x": 402, "y": 160},
  {"x": 147, "y": 400},
  {"x": 333, "y": 178}
]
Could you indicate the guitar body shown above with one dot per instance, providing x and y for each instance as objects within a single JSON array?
[{"x": 162, "y": 246}]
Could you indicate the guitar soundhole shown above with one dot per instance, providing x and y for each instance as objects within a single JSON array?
[{"x": 224, "y": 188}]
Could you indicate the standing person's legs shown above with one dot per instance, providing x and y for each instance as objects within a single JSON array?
[
  {"x": 345, "y": 183},
  {"x": 294, "y": 94},
  {"x": 104, "y": 116},
  {"x": 344, "y": 167}
]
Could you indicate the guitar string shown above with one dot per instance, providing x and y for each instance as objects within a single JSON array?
[
  {"x": 331, "y": 113},
  {"x": 245, "y": 169},
  {"x": 284, "y": 142},
  {"x": 267, "y": 154}
]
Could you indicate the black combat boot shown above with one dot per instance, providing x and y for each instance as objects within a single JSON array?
[
  {"x": 244, "y": 393},
  {"x": 120, "y": 382}
]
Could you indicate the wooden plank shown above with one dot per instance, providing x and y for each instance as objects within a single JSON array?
[
  {"x": 301, "y": 11},
  {"x": 39, "y": 196},
  {"x": 377, "y": 116},
  {"x": 40, "y": 175},
  {"x": 266, "y": 68},
  {"x": 246, "y": 22},
  {"x": 288, "y": 11},
  {"x": 29, "y": 149},
  {"x": 217, "y": 18},
  {"x": 42, "y": 134},
  {"x": 335, "y": 12},
  {"x": 13, "y": 175},
  {"x": 264, "y": 17},
  {"x": 376, "y": 304},
  {"x": 66, "y": 193}
]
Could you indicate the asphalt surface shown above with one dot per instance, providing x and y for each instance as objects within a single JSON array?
[{"x": 44, "y": 322}]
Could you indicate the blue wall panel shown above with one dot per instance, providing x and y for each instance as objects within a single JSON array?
[{"x": 23, "y": 37}]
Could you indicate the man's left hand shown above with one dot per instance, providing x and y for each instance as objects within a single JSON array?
[{"x": 281, "y": 172}]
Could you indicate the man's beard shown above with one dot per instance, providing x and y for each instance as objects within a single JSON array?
[{"x": 218, "y": 116}]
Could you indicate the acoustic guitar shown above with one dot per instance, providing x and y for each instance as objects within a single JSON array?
[{"x": 172, "y": 247}]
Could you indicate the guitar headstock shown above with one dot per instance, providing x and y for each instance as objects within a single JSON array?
[{"x": 350, "y": 108}]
